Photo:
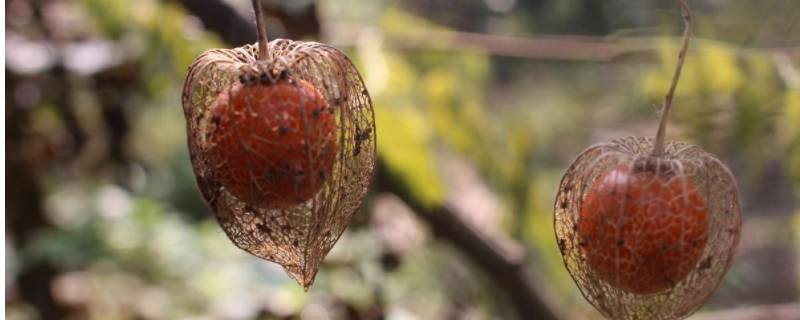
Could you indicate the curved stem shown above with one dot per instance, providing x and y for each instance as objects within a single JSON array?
[
  {"x": 686, "y": 12},
  {"x": 263, "y": 48}
]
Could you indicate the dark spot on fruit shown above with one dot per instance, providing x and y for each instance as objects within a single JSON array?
[
  {"x": 361, "y": 135},
  {"x": 705, "y": 264},
  {"x": 336, "y": 102},
  {"x": 270, "y": 175},
  {"x": 620, "y": 242},
  {"x": 299, "y": 177},
  {"x": 263, "y": 228},
  {"x": 283, "y": 130},
  {"x": 364, "y": 135}
]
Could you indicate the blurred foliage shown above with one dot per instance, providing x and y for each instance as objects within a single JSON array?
[{"x": 133, "y": 238}]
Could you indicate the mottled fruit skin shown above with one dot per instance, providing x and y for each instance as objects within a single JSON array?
[
  {"x": 272, "y": 145},
  {"x": 642, "y": 232}
]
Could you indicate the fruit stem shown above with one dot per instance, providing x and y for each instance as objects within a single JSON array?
[
  {"x": 686, "y": 13},
  {"x": 263, "y": 49}
]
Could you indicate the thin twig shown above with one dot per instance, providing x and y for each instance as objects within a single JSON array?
[
  {"x": 686, "y": 12},
  {"x": 263, "y": 41}
]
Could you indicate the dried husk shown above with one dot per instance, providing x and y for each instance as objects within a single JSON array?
[
  {"x": 716, "y": 185},
  {"x": 298, "y": 238}
]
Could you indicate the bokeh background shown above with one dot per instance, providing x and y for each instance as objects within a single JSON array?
[{"x": 480, "y": 107}]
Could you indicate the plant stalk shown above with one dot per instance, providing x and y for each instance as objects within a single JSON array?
[
  {"x": 263, "y": 41},
  {"x": 686, "y": 13}
]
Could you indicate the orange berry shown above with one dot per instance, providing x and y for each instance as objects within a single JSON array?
[
  {"x": 272, "y": 145},
  {"x": 643, "y": 232}
]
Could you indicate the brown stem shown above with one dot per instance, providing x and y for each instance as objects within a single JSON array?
[
  {"x": 686, "y": 12},
  {"x": 263, "y": 50}
]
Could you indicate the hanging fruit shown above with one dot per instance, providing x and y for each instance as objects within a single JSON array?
[
  {"x": 648, "y": 228},
  {"x": 282, "y": 142},
  {"x": 284, "y": 118}
]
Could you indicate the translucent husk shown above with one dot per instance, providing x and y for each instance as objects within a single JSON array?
[
  {"x": 298, "y": 238},
  {"x": 712, "y": 180}
]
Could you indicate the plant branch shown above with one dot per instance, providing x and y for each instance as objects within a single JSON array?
[
  {"x": 533, "y": 46},
  {"x": 508, "y": 275},
  {"x": 686, "y": 12}
]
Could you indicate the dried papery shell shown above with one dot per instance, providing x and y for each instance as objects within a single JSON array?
[
  {"x": 657, "y": 248},
  {"x": 295, "y": 233}
]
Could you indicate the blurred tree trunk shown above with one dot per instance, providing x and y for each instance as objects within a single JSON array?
[
  {"x": 24, "y": 209},
  {"x": 115, "y": 86}
]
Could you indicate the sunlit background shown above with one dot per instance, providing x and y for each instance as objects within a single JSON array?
[{"x": 480, "y": 107}]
